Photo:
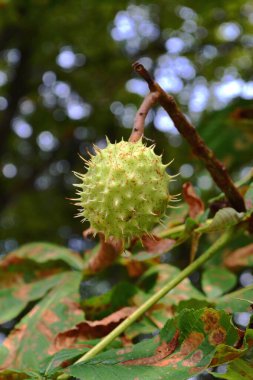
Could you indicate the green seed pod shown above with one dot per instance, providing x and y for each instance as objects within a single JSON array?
[{"x": 125, "y": 190}]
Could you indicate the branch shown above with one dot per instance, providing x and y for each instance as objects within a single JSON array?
[
  {"x": 211, "y": 251},
  {"x": 200, "y": 149},
  {"x": 139, "y": 122}
]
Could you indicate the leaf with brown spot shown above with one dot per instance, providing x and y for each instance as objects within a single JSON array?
[
  {"x": 163, "y": 350},
  {"x": 17, "y": 289},
  {"x": 185, "y": 347},
  {"x": 237, "y": 301},
  {"x": 217, "y": 281},
  {"x": 243, "y": 346},
  {"x": 42, "y": 253},
  {"x": 91, "y": 329},
  {"x": 241, "y": 257},
  {"x": 196, "y": 205},
  {"x": 31, "y": 339}
]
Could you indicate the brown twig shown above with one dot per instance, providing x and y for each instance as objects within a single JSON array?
[
  {"x": 200, "y": 149},
  {"x": 138, "y": 129}
]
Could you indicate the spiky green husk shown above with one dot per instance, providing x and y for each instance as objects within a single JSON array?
[{"x": 125, "y": 190}]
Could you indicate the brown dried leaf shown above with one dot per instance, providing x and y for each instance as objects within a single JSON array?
[
  {"x": 196, "y": 206},
  {"x": 106, "y": 255},
  {"x": 91, "y": 329},
  {"x": 239, "y": 258},
  {"x": 155, "y": 244},
  {"x": 135, "y": 268}
]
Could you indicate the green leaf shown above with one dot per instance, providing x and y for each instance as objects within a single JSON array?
[
  {"x": 44, "y": 252},
  {"x": 53, "y": 363},
  {"x": 32, "y": 339},
  {"x": 184, "y": 348},
  {"x": 227, "y": 135},
  {"x": 238, "y": 369},
  {"x": 238, "y": 301},
  {"x": 193, "y": 304},
  {"x": 217, "y": 281}
]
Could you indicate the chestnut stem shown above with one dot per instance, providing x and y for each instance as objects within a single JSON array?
[{"x": 138, "y": 129}]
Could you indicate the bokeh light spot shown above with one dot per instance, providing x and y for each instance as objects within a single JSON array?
[
  {"x": 22, "y": 128},
  {"x": 229, "y": 31},
  {"x": 3, "y": 103},
  {"x": 9, "y": 170},
  {"x": 163, "y": 122},
  {"x": 186, "y": 170},
  {"x": 46, "y": 141}
]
